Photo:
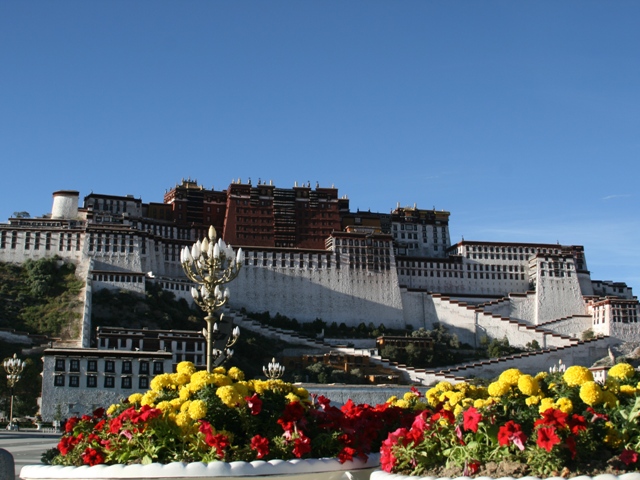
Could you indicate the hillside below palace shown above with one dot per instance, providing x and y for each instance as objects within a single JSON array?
[{"x": 308, "y": 256}]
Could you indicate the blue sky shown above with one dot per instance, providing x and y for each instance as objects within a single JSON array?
[{"x": 520, "y": 118}]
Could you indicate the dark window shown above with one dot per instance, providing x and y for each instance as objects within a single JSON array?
[
  {"x": 74, "y": 365},
  {"x": 58, "y": 380},
  {"x": 60, "y": 365},
  {"x": 126, "y": 367},
  {"x": 92, "y": 366},
  {"x": 109, "y": 366},
  {"x": 143, "y": 383},
  {"x": 144, "y": 368},
  {"x": 92, "y": 381},
  {"x": 74, "y": 381},
  {"x": 158, "y": 367},
  {"x": 126, "y": 382},
  {"x": 109, "y": 382}
]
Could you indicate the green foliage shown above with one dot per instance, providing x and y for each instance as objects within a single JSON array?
[
  {"x": 157, "y": 308},
  {"x": 41, "y": 296},
  {"x": 500, "y": 348}
]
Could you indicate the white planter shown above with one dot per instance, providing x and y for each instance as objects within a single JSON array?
[
  {"x": 380, "y": 475},
  {"x": 311, "y": 469}
]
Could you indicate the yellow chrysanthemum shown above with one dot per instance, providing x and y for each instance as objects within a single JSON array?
[
  {"x": 628, "y": 390},
  {"x": 230, "y": 396},
  {"x": 609, "y": 399},
  {"x": 532, "y": 400},
  {"x": 135, "y": 398},
  {"x": 302, "y": 392},
  {"x": 112, "y": 409},
  {"x": 546, "y": 404},
  {"x": 621, "y": 371},
  {"x": 149, "y": 398},
  {"x": 220, "y": 380},
  {"x": 183, "y": 419},
  {"x": 197, "y": 409},
  {"x": 510, "y": 376},
  {"x": 528, "y": 385},
  {"x": 187, "y": 368},
  {"x": 242, "y": 389},
  {"x": 591, "y": 393},
  {"x": 564, "y": 404},
  {"x": 612, "y": 438},
  {"x": 165, "y": 406},
  {"x": 292, "y": 397},
  {"x": 162, "y": 382},
  {"x": 220, "y": 370},
  {"x": 236, "y": 374},
  {"x": 402, "y": 403},
  {"x": 458, "y": 410},
  {"x": 184, "y": 394},
  {"x": 576, "y": 375},
  {"x": 498, "y": 389},
  {"x": 185, "y": 406},
  {"x": 392, "y": 399},
  {"x": 443, "y": 386},
  {"x": 541, "y": 376},
  {"x": 181, "y": 378},
  {"x": 454, "y": 398}
]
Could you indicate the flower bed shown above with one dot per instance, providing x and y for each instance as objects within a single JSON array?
[
  {"x": 195, "y": 416},
  {"x": 548, "y": 425}
]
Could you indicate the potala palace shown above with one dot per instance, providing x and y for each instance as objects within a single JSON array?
[{"x": 309, "y": 256}]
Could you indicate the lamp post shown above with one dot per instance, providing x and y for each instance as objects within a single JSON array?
[
  {"x": 212, "y": 264},
  {"x": 14, "y": 367},
  {"x": 273, "y": 370}
]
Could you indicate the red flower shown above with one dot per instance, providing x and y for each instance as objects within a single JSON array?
[
  {"x": 254, "y": 403},
  {"x": 471, "y": 418},
  {"x": 552, "y": 417},
  {"x": 98, "y": 412},
  {"x": 572, "y": 446},
  {"x": 293, "y": 413},
  {"x": 511, "y": 432},
  {"x": 597, "y": 416},
  {"x": 65, "y": 445},
  {"x": 443, "y": 414},
  {"x": 346, "y": 454},
  {"x": 628, "y": 457},
  {"x": 577, "y": 424},
  {"x": 547, "y": 438},
  {"x": 219, "y": 442},
  {"x": 260, "y": 445},
  {"x": 470, "y": 468},
  {"x": 68, "y": 426},
  {"x": 301, "y": 445},
  {"x": 91, "y": 457}
]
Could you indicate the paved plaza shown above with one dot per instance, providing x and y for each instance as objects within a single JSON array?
[{"x": 27, "y": 446}]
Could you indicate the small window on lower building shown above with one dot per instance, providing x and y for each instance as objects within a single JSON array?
[
  {"x": 74, "y": 365},
  {"x": 144, "y": 368},
  {"x": 109, "y": 366},
  {"x": 74, "y": 381},
  {"x": 126, "y": 366},
  {"x": 143, "y": 383},
  {"x": 92, "y": 366},
  {"x": 60, "y": 365},
  {"x": 126, "y": 382},
  {"x": 109, "y": 382},
  {"x": 158, "y": 367},
  {"x": 92, "y": 381},
  {"x": 58, "y": 380}
]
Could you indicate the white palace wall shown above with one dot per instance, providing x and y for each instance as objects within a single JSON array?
[
  {"x": 337, "y": 295},
  {"x": 558, "y": 297}
]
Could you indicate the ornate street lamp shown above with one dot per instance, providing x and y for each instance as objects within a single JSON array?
[
  {"x": 14, "y": 367},
  {"x": 211, "y": 264},
  {"x": 273, "y": 370}
]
